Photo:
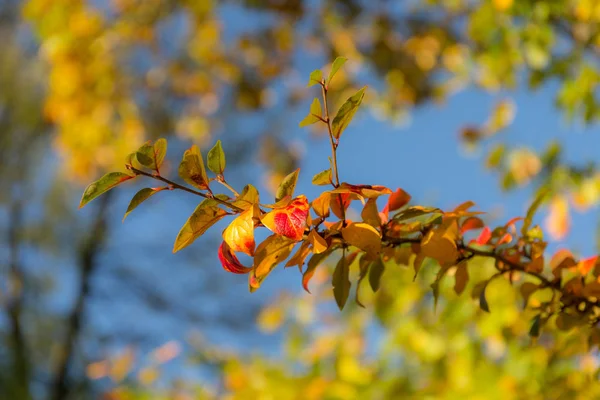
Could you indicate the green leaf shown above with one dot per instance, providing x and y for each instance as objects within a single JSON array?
[
  {"x": 313, "y": 116},
  {"x": 534, "y": 331},
  {"x": 346, "y": 113},
  {"x": 337, "y": 64},
  {"x": 341, "y": 282},
  {"x": 203, "y": 217},
  {"x": 216, "y": 159},
  {"x": 140, "y": 197},
  {"x": 483, "y": 304},
  {"x": 145, "y": 155},
  {"x": 103, "y": 185},
  {"x": 375, "y": 273},
  {"x": 192, "y": 169},
  {"x": 322, "y": 178},
  {"x": 160, "y": 151},
  {"x": 247, "y": 198},
  {"x": 315, "y": 78},
  {"x": 287, "y": 186},
  {"x": 364, "y": 263},
  {"x": 541, "y": 197}
]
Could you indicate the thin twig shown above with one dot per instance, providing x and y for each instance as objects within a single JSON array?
[{"x": 175, "y": 185}]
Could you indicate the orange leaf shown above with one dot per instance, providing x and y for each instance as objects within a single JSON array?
[
  {"x": 366, "y": 191},
  {"x": 484, "y": 236},
  {"x": 558, "y": 221},
  {"x": 269, "y": 254},
  {"x": 397, "y": 200},
  {"x": 230, "y": 262},
  {"x": 340, "y": 202},
  {"x": 363, "y": 236},
  {"x": 470, "y": 224},
  {"x": 584, "y": 266},
  {"x": 289, "y": 221},
  {"x": 319, "y": 244},
  {"x": 239, "y": 235},
  {"x": 321, "y": 205}
]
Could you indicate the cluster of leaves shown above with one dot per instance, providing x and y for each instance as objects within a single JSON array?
[{"x": 568, "y": 294}]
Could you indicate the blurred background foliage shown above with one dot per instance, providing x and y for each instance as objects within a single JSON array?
[{"x": 92, "y": 310}]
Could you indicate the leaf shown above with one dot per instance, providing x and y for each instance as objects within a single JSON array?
[
  {"x": 337, "y": 64},
  {"x": 534, "y": 331},
  {"x": 397, "y": 200},
  {"x": 527, "y": 290},
  {"x": 370, "y": 214},
  {"x": 586, "y": 265},
  {"x": 145, "y": 155},
  {"x": 471, "y": 223},
  {"x": 319, "y": 244},
  {"x": 229, "y": 260},
  {"x": 339, "y": 203},
  {"x": 160, "y": 152},
  {"x": 287, "y": 186},
  {"x": 346, "y": 113},
  {"x": 532, "y": 210},
  {"x": 299, "y": 256},
  {"x": 341, "y": 282},
  {"x": 103, "y": 185},
  {"x": 558, "y": 221},
  {"x": 363, "y": 236},
  {"x": 375, "y": 273},
  {"x": 484, "y": 236},
  {"x": 416, "y": 211},
  {"x": 483, "y": 304},
  {"x": 216, "y": 159},
  {"x": 289, "y": 221},
  {"x": 191, "y": 168},
  {"x": 461, "y": 277},
  {"x": 536, "y": 265},
  {"x": 321, "y": 204},
  {"x": 247, "y": 198},
  {"x": 239, "y": 235},
  {"x": 203, "y": 217},
  {"x": 313, "y": 115},
  {"x": 315, "y": 78},
  {"x": 463, "y": 207},
  {"x": 366, "y": 191},
  {"x": 322, "y": 178},
  {"x": 437, "y": 245},
  {"x": 313, "y": 263},
  {"x": 364, "y": 263},
  {"x": 140, "y": 197},
  {"x": 268, "y": 255}
]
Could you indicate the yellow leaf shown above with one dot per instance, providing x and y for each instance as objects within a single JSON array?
[
  {"x": 370, "y": 214},
  {"x": 558, "y": 221},
  {"x": 239, "y": 235},
  {"x": 204, "y": 216},
  {"x": 363, "y": 236},
  {"x": 319, "y": 244},
  {"x": 439, "y": 247},
  {"x": 269, "y": 253}
]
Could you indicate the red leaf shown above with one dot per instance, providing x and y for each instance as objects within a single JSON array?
[
  {"x": 397, "y": 200},
  {"x": 470, "y": 224},
  {"x": 288, "y": 221},
  {"x": 586, "y": 265},
  {"x": 484, "y": 236},
  {"x": 230, "y": 262}
]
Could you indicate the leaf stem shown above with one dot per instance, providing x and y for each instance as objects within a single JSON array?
[
  {"x": 334, "y": 145},
  {"x": 222, "y": 181},
  {"x": 181, "y": 187}
]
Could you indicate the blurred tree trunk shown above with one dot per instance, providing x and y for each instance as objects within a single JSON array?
[{"x": 87, "y": 256}]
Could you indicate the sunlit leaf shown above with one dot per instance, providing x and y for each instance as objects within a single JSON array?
[
  {"x": 274, "y": 250},
  {"x": 335, "y": 66},
  {"x": 313, "y": 115},
  {"x": 299, "y": 256},
  {"x": 191, "y": 168},
  {"x": 319, "y": 244},
  {"x": 247, "y": 198},
  {"x": 140, "y": 197},
  {"x": 470, "y": 224},
  {"x": 321, "y": 204},
  {"x": 541, "y": 197},
  {"x": 322, "y": 178},
  {"x": 558, "y": 221},
  {"x": 289, "y": 221},
  {"x": 216, "y": 159},
  {"x": 229, "y": 260},
  {"x": 339, "y": 203},
  {"x": 398, "y": 199},
  {"x": 145, "y": 155},
  {"x": 103, "y": 185},
  {"x": 366, "y": 191},
  {"x": 203, "y": 217},
  {"x": 370, "y": 214},
  {"x": 484, "y": 236},
  {"x": 160, "y": 152},
  {"x": 586, "y": 265},
  {"x": 363, "y": 236},
  {"x": 239, "y": 235},
  {"x": 346, "y": 113},
  {"x": 287, "y": 186},
  {"x": 315, "y": 78}
]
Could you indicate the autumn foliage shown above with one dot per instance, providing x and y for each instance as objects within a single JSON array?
[{"x": 559, "y": 288}]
